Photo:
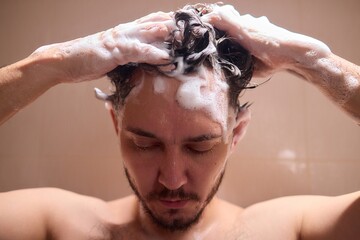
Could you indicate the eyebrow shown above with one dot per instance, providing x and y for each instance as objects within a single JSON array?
[
  {"x": 204, "y": 137},
  {"x": 201, "y": 138},
  {"x": 141, "y": 132}
]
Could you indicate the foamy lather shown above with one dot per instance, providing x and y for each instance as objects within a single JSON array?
[
  {"x": 203, "y": 90},
  {"x": 200, "y": 90}
]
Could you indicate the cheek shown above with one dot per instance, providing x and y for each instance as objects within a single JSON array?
[
  {"x": 143, "y": 171},
  {"x": 208, "y": 171},
  {"x": 144, "y": 176}
]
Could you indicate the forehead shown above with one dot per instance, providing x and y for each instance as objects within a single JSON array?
[
  {"x": 154, "y": 106},
  {"x": 161, "y": 103}
]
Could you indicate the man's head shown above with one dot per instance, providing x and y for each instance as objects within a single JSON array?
[
  {"x": 193, "y": 44},
  {"x": 177, "y": 127}
]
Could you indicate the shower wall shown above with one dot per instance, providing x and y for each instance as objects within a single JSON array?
[{"x": 298, "y": 141}]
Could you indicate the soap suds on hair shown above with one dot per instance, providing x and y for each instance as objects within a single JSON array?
[
  {"x": 205, "y": 93},
  {"x": 212, "y": 69}
]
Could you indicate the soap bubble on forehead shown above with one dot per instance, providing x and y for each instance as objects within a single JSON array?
[
  {"x": 205, "y": 91},
  {"x": 199, "y": 90}
]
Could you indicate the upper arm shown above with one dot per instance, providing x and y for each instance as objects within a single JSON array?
[
  {"x": 46, "y": 213},
  {"x": 23, "y": 215},
  {"x": 331, "y": 217}
]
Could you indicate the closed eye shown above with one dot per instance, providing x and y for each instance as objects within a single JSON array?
[
  {"x": 201, "y": 147},
  {"x": 142, "y": 140},
  {"x": 145, "y": 144}
]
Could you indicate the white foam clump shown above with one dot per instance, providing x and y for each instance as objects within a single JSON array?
[
  {"x": 159, "y": 85},
  {"x": 205, "y": 92},
  {"x": 200, "y": 91}
]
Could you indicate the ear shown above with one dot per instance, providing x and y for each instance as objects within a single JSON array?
[
  {"x": 114, "y": 117},
  {"x": 242, "y": 121}
]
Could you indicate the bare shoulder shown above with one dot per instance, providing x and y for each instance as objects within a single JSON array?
[
  {"x": 304, "y": 217},
  {"x": 331, "y": 217},
  {"x": 53, "y": 199},
  {"x": 19, "y": 207},
  {"x": 50, "y": 211}
]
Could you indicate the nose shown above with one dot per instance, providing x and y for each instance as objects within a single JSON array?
[{"x": 173, "y": 172}]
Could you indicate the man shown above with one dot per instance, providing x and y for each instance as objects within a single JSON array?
[{"x": 177, "y": 123}]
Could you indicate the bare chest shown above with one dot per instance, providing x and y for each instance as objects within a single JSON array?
[{"x": 238, "y": 231}]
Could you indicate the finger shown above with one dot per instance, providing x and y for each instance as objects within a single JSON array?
[
  {"x": 154, "y": 55},
  {"x": 231, "y": 9},
  {"x": 153, "y": 32},
  {"x": 136, "y": 51},
  {"x": 211, "y": 18},
  {"x": 219, "y": 13},
  {"x": 155, "y": 17},
  {"x": 145, "y": 32}
]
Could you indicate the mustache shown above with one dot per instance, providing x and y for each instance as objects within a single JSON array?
[{"x": 172, "y": 194}]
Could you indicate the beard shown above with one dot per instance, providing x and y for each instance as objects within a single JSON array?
[{"x": 176, "y": 224}]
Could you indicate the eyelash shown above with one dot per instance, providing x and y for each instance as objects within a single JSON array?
[
  {"x": 187, "y": 148},
  {"x": 191, "y": 150},
  {"x": 145, "y": 148},
  {"x": 197, "y": 152}
]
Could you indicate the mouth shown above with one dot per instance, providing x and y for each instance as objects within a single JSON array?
[{"x": 174, "y": 203}]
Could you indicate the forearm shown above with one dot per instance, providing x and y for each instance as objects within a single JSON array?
[
  {"x": 337, "y": 78},
  {"x": 22, "y": 82},
  {"x": 82, "y": 59}
]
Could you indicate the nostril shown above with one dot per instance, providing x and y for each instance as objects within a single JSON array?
[
  {"x": 172, "y": 182},
  {"x": 172, "y": 178}
]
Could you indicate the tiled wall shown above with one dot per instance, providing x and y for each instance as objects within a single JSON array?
[{"x": 297, "y": 143}]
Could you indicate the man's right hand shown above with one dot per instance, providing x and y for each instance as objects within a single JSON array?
[{"x": 93, "y": 56}]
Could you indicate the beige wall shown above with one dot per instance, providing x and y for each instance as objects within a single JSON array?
[{"x": 298, "y": 142}]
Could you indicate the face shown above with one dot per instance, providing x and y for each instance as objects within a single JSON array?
[{"x": 174, "y": 158}]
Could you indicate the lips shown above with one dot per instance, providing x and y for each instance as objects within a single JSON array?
[{"x": 173, "y": 203}]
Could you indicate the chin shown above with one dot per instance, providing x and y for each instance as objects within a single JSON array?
[{"x": 174, "y": 219}]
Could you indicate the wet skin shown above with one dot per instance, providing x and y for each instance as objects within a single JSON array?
[{"x": 174, "y": 157}]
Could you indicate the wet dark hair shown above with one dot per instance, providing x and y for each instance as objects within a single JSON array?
[{"x": 199, "y": 44}]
